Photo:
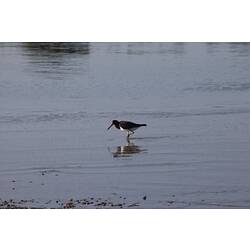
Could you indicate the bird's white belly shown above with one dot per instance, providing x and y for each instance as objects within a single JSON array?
[{"x": 128, "y": 130}]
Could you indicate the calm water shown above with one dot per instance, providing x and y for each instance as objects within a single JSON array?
[{"x": 57, "y": 100}]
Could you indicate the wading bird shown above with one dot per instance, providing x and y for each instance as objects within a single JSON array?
[{"x": 127, "y": 126}]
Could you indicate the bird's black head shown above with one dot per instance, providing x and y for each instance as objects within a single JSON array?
[{"x": 116, "y": 123}]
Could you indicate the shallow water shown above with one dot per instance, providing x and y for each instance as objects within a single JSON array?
[{"x": 57, "y": 100}]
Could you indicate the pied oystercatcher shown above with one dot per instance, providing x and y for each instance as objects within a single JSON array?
[{"x": 127, "y": 126}]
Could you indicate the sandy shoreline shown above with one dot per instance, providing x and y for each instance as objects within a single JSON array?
[
  {"x": 38, "y": 190},
  {"x": 99, "y": 203}
]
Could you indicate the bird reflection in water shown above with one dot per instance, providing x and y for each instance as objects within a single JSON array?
[{"x": 127, "y": 150}]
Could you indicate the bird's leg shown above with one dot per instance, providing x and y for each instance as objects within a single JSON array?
[
  {"x": 128, "y": 140},
  {"x": 128, "y": 135}
]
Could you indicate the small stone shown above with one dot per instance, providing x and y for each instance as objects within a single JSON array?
[
  {"x": 144, "y": 197},
  {"x": 69, "y": 205}
]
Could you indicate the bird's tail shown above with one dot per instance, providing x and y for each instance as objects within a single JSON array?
[{"x": 143, "y": 125}]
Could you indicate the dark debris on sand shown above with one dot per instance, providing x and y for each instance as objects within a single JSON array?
[
  {"x": 8, "y": 204},
  {"x": 89, "y": 202}
]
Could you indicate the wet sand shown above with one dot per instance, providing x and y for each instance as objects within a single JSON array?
[{"x": 188, "y": 170}]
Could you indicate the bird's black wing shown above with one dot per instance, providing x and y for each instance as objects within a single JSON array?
[{"x": 128, "y": 125}]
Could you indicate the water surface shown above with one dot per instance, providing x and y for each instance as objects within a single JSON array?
[{"x": 57, "y": 100}]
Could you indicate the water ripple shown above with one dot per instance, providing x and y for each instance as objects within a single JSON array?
[
  {"x": 210, "y": 112},
  {"x": 41, "y": 117},
  {"x": 221, "y": 86}
]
